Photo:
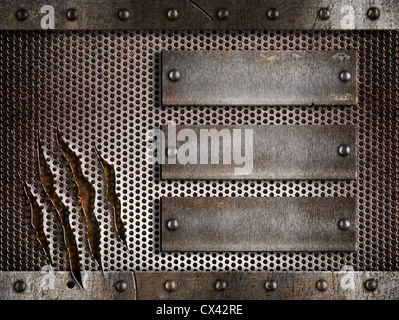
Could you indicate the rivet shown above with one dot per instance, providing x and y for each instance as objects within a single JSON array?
[
  {"x": 22, "y": 14},
  {"x": 273, "y": 14},
  {"x": 371, "y": 284},
  {"x": 373, "y": 13},
  {"x": 172, "y": 224},
  {"x": 344, "y": 150},
  {"x": 124, "y": 14},
  {"x": 170, "y": 285},
  {"x": 72, "y": 14},
  {"x": 172, "y": 14},
  {"x": 223, "y": 14},
  {"x": 174, "y": 75},
  {"x": 344, "y": 224},
  {"x": 324, "y": 13},
  {"x": 270, "y": 285},
  {"x": 171, "y": 152},
  {"x": 321, "y": 285},
  {"x": 121, "y": 286},
  {"x": 345, "y": 76},
  {"x": 19, "y": 286},
  {"x": 220, "y": 285}
]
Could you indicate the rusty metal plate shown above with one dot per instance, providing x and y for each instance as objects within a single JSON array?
[
  {"x": 48, "y": 284},
  {"x": 199, "y": 14},
  {"x": 259, "y": 78},
  {"x": 268, "y": 285},
  {"x": 259, "y": 224},
  {"x": 259, "y": 152},
  {"x": 122, "y": 285}
]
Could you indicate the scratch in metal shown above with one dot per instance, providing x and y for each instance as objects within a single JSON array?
[
  {"x": 48, "y": 183},
  {"x": 86, "y": 194},
  {"x": 37, "y": 222},
  {"x": 112, "y": 197},
  {"x": 200, "y": 9}
]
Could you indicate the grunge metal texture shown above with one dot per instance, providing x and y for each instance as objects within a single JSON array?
[
  {"x": 200, "y": 14},
  {"x": 276, "y": 285},
  {"x": 258, "y": 224},
  {"x": 259, "y": 78},
  {"x": 101, "y": 92},
  {"x": 294, "y": 152}
]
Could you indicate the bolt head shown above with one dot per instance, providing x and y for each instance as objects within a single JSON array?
[
  {"x": 121, "y": 286},
  {"x": 170, "y": 285},
  {"x": 324, "y": 13},
  {"x": 171, "y": 152},
  {"x": 344, "y": 150},
  {"x": 172, "y": 224},
  {"x": 273, "y": 14},
  {"x": 124, "y": 14},
  {"x": 344, "y": 224},
  {"x": 22, "y": 14},
  {"x": 373, "y": 13},
  {"x": 19, "y": 286},
  {"x": 270, "y": 285},
  {"x": 371, "y": 284},
  {"x": 220, "y": 285},
  {"x": 223, "y": 14},
  {"x": 72, "y": 14},
  {"x": 174, "y": 75},
  {"x": 345, "y": 76},
  {"x": 172, "y": 14},
  {"x": 321, "y": 285}
]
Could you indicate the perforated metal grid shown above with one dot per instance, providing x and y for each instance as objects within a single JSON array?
[{"x": 101, "y": 90}]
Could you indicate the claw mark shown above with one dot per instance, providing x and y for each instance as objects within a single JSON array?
[
  {"x": 86, "y": 194},
  {"x": 200, "y": 9},
  {"x": 37, "y": 222},
  {"x": 111, "y": 196},
  {"x": 48, "y": 183}
]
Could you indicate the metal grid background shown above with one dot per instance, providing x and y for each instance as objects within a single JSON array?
[{"x": 102, "y": 91}]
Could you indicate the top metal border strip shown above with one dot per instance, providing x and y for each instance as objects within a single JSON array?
[{"x": 199, "y": 14}]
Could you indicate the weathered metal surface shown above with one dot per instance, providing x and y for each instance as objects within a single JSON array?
[
  {"x": 338, "y": 285},
  {"x": 258, "y": 224},
  {"x": 59, "y": 285},
  {"x": 258, "y": 78},
  {"x": 259, "y": 152},
  {"x": 252, "y": 285},
  {"x": 199, "y": 14}
]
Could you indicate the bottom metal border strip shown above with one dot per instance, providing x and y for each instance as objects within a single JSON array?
[{"x": 307, "y": 285}]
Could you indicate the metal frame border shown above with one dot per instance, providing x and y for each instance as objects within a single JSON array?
[{"x": 201, "y": 14}]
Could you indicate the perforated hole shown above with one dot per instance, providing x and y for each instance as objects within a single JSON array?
[{"x": 102, "y": 91}]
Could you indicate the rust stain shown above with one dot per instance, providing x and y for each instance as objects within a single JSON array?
[
  {"x": 112, "y": 197},
  {"x": 48, "y": 183},
  {"x": 37, "y": 223},
  {"x": 86, "y": 194}
]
